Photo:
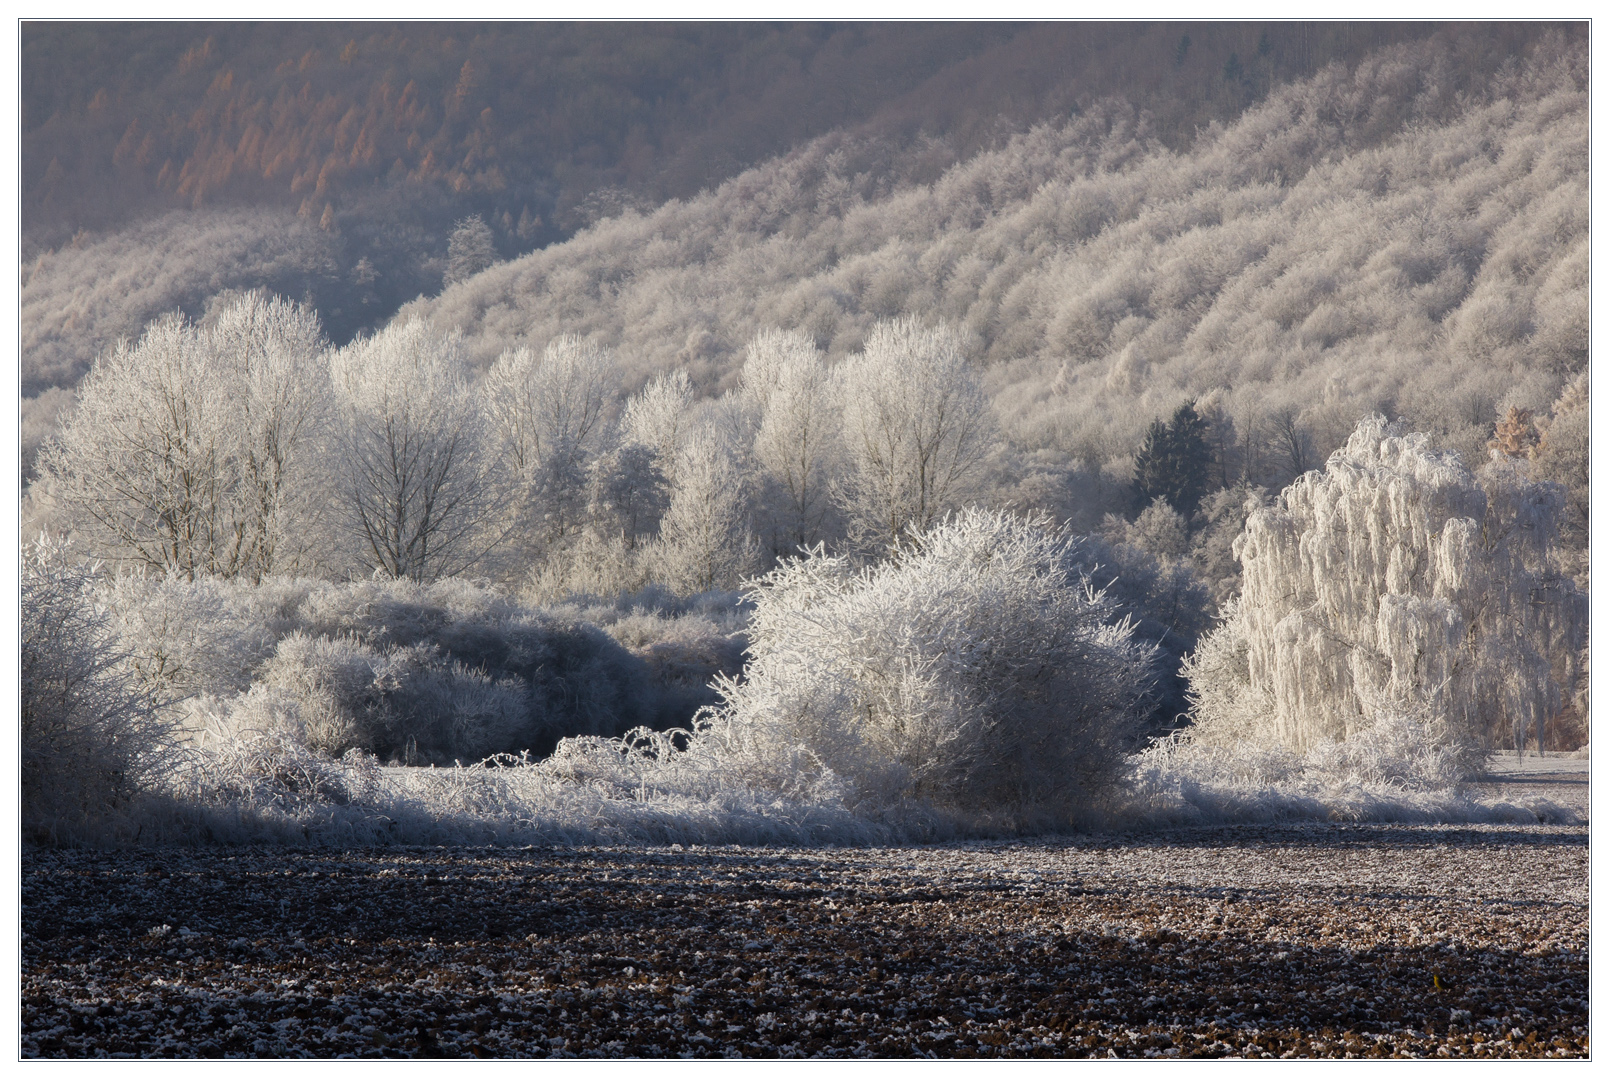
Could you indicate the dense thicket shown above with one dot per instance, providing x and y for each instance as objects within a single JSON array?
[
  {"x": 410, "y": 673},
  {"x": 92, "y": 739}
]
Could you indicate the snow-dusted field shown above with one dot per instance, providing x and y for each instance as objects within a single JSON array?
[{"x": 1311, "y": 940}]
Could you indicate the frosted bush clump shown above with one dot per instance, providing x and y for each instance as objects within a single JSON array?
[
  {"x": 973, "y": 672},
  {"x": 1396, "y": 618},
  {"x": 92, "y": 739},
  {"x": 417, "y": 673}
]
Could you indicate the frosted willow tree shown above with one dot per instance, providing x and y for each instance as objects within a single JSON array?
[
  {"x": 414, "y": 489},
  {"x": 548, "y": 412},
  {"x": 1393, "y": 583},
  {"x": 916, "y": 429},
  {"x": 192, "y": 450},
  {"x": 790, "y": 391}
]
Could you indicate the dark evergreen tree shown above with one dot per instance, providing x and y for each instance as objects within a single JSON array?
[
  {"x": 1152, "y": 464},
  {"x": 1175, "y": 461}
]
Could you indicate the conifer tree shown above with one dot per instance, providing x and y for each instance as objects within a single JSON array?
[{"x": 1175, "y": 461}]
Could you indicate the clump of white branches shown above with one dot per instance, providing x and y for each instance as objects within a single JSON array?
[
  {"x": 192, "y": 450},
  {"x": 93, "y": 741}
]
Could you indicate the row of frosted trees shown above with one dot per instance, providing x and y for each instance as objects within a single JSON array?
[{"x": 246, "y": 446}]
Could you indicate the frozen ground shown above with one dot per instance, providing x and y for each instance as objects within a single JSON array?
[
  {"x": 1551, "y": 763},
  {"x": 1311, "y": 940}
]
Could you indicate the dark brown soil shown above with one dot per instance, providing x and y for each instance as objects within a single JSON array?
[{"x": 1313, "y": 941}]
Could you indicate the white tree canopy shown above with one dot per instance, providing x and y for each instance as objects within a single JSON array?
[
  {"x": 1394, "y": 581},
  {"x": 192, "y": 450},
  {"x": 796, "y": 400},
  {"x": 916, "y": 428},
  {"x": 704, "y": 540},
  {"x": 548, "y": 413},
  {"x": 414, "y": 490},
  {"x": 657, "y": 417}
]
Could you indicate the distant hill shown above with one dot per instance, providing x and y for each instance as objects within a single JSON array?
[
  {"x": 831, "y": 173},
  {"x": 523, "y": 122},
  {"x": 1368, "y": 239}
]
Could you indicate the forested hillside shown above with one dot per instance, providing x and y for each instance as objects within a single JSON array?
[
  {"x": 1369, "y": 239},
  {"x": 529, "y": 119},
  {"x": 138, "y": 140}
]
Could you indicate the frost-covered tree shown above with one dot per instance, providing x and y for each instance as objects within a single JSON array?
[
  {"x": 1160, "y": 530},
  {"x": 976, "y": 670},
  {"x": 1220, "y": 518},
  {"x": 1394, "y": 582},
  {"x": 469, "y": 250},
  {"x": 1562, "y": 456},
  {"x": 917, "y": 427},
  {"x": 192, "y": 450},
  {"x": 414, "y": 488},
  {"x": 704, "y": 540},
  {"x": 273, "y": 350},
  {"x": 657, "y": 417},
  {"x": 795, "y": 445},
  {"x": 626, "y": 495},
  {"x": 548, "y": 412}
]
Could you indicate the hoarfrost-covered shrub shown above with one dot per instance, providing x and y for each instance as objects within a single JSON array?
[
  {"x": 182, "y": 637},
  {"x": 1413, "y": 749},
  {"x": 974, "y": 672},
  {"x": 92, "y": 740},
  {"x": 1393, "y": 583},
  {"x": 416, "y": 673},
  {"x": 259, "y": 769}
]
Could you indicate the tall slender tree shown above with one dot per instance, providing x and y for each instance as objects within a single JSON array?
[{"x": 916, "y": 428}]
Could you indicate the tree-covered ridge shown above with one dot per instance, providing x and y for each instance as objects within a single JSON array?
[
  {"x": 1365, "y": 240},
  {"x": 528, "y": 120},
  {"x": 1086, "y": 251}
]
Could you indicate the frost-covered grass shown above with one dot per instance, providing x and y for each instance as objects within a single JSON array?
[{"x": 643, "y": 792}]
